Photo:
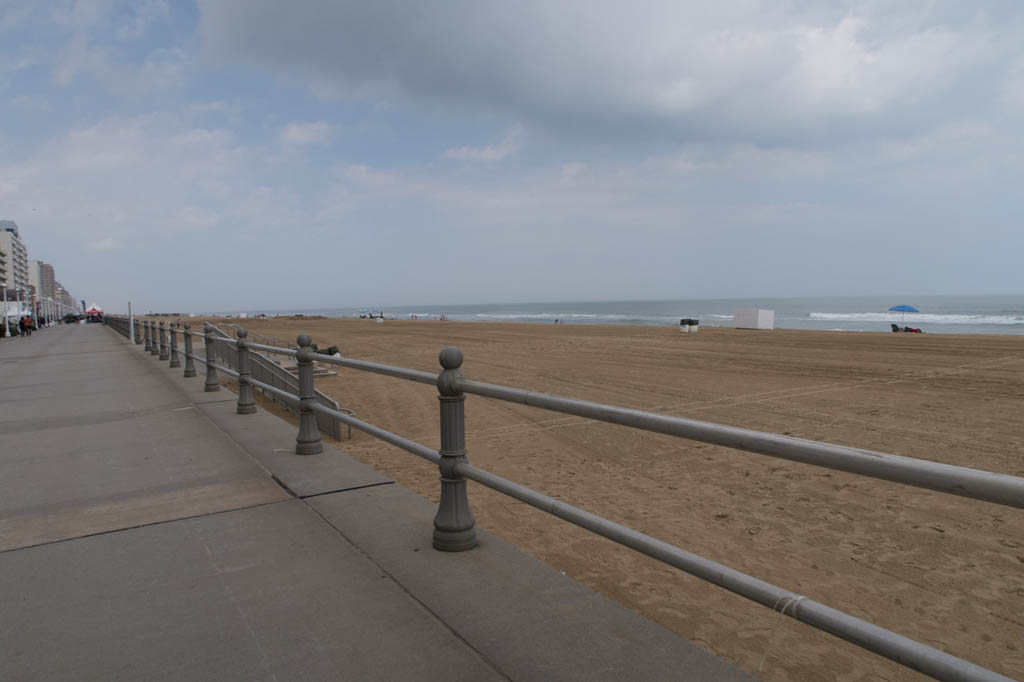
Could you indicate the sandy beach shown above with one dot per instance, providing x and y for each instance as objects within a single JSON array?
[{"x": 940, "y": 569}]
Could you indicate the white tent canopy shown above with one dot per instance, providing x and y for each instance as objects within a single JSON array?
[
  {"x": 94, "y": 309},
  {"x": 17, "y": 310}
]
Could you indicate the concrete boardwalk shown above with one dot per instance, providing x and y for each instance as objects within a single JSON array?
[{"x": 147, "y": 532}]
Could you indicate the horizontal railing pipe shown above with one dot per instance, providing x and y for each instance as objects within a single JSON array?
[
  {"x": 981, "y": 485},
  {"x": 267, "y": 388},
  {"x": 903, "y": 650},
  {"x": 274, "y": 349},
  {"x": 376, "y": 368},
  {"x": 219, "y": 368},
  {"x": 222, "y": 368},
  {"x": 409, "y": 446}
]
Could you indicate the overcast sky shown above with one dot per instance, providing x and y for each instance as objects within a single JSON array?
[{"x": 247, "y": 154}]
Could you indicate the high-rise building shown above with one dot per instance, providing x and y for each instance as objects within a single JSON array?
[
  {"x": 16, "y": 276},
  {"x": 41, "y": 275},
  {"x": 64, "y": 296}
]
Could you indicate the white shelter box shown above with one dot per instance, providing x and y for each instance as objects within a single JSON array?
[{"x": 753, "y": 318}]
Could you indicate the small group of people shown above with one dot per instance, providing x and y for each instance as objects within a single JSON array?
[
  {"x": 909, "y": 330},
  {"x": 25, "y": 325}
]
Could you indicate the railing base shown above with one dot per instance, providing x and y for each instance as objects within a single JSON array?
[
  {"x": 309, "y": 448},
  {"x": 455, "y": 541}
]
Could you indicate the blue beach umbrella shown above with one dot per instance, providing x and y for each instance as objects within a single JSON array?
[{"x": 904, "y": 309}]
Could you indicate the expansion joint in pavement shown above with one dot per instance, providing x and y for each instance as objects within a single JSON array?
[
  {"x": 162, "y": 522},
  {"x": 340, "y": 490}
]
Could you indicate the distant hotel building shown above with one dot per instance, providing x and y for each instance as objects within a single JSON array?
[
  {"x": 16, "y": 257},
  {"x": 41, "y": 276},
  {"x": 64, "y": 297}
]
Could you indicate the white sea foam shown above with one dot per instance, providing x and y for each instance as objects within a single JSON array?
[
  {"x": 519, "y": 316},
  {"x": 566, "y": 316},
  {"x": 921, "y": 318}
]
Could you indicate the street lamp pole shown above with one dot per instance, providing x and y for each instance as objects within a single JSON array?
[{"x": 7, "y": 324}]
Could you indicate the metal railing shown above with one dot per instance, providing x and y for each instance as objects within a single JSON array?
[
  {"x": 267, "y": 372},
  {"x": 454, "y": 526},
  {"x": 263, "y": 370}
]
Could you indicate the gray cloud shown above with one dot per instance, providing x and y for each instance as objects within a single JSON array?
[
  {"x": 741, "y": 70},
  {"x": 802, "y": 148}
]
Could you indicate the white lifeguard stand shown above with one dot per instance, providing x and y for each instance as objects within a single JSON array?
[{"x": 754, "y": 318}]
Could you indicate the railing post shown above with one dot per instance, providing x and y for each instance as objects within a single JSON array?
[
  {"x": 163, "y": 342},
  {"x": 246, "y": 402},
  {"x": 149, "y": 342},
  {"x": 138, "y": 335},
  {"x": 211, "y": 384},
  {"x": 175, "y": 362},
  {"x": 155, "y": 347},
  {"x": 190, "y": 365},
  {"x": 454, "y": 523},
  {"x": 308, "y": 441}
]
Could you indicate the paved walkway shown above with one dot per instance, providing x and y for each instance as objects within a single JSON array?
[{"x": 147, "y": 532}]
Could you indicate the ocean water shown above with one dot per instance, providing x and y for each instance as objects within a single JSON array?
[{"x": 939, "y": 314}]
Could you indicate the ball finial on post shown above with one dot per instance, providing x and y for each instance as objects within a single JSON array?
[{"x": 450, "y": 358}]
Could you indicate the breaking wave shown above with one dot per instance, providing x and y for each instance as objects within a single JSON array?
[{"x": 921, "y": 318}]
